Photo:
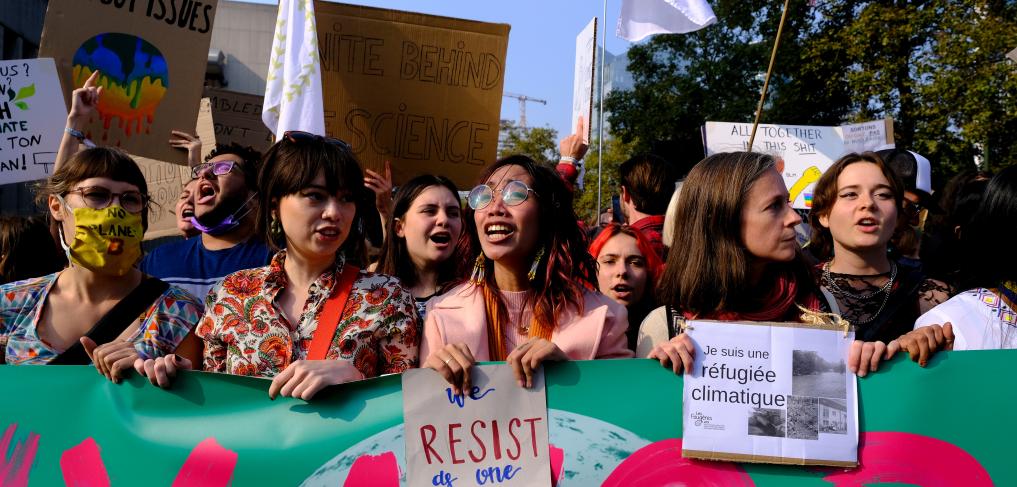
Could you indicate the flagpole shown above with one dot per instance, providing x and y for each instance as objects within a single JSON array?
[
  {"x": 769, "y": 71},
  {"x": 600, "y": 130}
]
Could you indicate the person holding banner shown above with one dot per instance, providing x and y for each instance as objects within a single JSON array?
[
  {"x": 854, "y": 216},
  {"x": 101, "y": 309},
  {"x": 627, "y": 271},
  {"x": 313, "y": 317},
  {"x": 735, "y": 256},
  {"x": 531, "y": 297},
  {"x": 984, "y": 316},
  {"x": 422, "y": 236}
]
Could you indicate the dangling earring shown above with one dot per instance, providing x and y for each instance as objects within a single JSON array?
[
  {"x": 536, "y": 263},
  {"x": 275, "y": 228},
  {"x": 479, "y": 269}
]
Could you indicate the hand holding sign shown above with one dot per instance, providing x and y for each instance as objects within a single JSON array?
[
  {"x": 188, "y": 142},
  {"x": 577, "y": 143},
  {"x": 161, "y": 371},
  {"x": 679, "y": 353},
  {"x": 304, "y": 378},
  {"x": 382, "y": 188},
  {"x": 923, "y": 342},
  {"x": 526, "y": 358},
  {"x": 453, "y": 362},
  {"x": 111, "y": 359}
]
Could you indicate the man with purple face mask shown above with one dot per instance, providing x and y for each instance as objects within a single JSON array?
[{"x": 223, "y": 191}]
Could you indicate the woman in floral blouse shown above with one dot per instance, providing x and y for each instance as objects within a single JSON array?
[{"x": 261, "y": 322}]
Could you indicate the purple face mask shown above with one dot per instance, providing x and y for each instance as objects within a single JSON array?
[{"x": 226, "y": 224}]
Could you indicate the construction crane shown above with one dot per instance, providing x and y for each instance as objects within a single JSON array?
[{"x": 522, "y": 105}]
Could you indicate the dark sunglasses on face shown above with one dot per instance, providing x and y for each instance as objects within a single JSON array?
[
  {"x": 296, "y": 136},
  {"x": 220, "y": 168},
  {"x": 97, "y": 198},
  {"x": 513, "y": 194}
]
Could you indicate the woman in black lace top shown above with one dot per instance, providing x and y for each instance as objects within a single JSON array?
[{"x": 854, "y": 215}]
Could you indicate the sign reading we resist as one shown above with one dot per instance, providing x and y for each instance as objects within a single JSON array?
[{"x": 494, "y": 434}]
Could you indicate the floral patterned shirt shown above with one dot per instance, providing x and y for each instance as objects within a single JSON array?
[
  {"x": 246, "y": 334},
  {"x": 163, "y": 326}
]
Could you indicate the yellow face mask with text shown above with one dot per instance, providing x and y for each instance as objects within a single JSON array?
[{"x": 106, "y": 241}]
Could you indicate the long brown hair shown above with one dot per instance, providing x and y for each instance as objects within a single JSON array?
[
  {"x": 707, "y": 267},
  {"x": 825, "y": 195},
  {"x": 566, "y": 270}
]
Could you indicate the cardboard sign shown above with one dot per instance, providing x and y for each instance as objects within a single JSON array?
[
  {"x": 496, "y": 434},
  {"x": 166, "y": 181},
  {"x": 807, "y": 151},
  {"x": 421, "y": 91},
  {"x": 151, "y": 56},
  {"x": 32, "y": 119},
  {"x": 770, "y": 393},
  {"x": 582, "y": 84},
  {"x": 237, "y": 119}
]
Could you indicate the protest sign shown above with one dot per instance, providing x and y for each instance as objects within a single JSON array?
[
  {"x": 237, "y": 119},
  {"x": 32, "y": 119},
  {"x": 611, "y": 423},
  {"x": 770, "y": 393},
  {"x": 582, "y": 84},
  {"x": 807, "y": 151},
  {"x": 421, "y": 91},
  {"x": 166, "y": 181},
  {"x": 493, "y": 433},
  {"x": 151, "y": 57}
]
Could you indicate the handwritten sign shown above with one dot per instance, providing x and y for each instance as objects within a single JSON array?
[
  {"x": 770, "y": 393},
  {"x": 807, "y": 151},
  {"x": 237, "y": 119},
  {"x": 495, "y": 434},
  {"x": 582, "y": 84},
  {"x": 151, "y": 56},
  {"x": 32, "y": 119},
  {"x": 421, "y": 91}
]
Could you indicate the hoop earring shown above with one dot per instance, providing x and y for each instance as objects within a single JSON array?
[
  {"x": 479, "y": 270},
  {"x": 536, "y": 263}
]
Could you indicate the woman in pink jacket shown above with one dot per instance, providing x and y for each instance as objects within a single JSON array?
[{"x": 532, "y": 293}]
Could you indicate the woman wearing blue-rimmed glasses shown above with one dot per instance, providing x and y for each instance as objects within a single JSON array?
[{"x": 532, "y": 294}]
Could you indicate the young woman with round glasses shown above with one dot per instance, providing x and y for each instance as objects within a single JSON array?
[
  {"x": 313, "y": 317},
  {"x": 101, "y": 308},
  {"x": 422, "y": 237},
  {"x": 532, "y": 296}
]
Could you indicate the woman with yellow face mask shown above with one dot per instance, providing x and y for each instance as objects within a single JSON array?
[{"x": 101, "y": 309}]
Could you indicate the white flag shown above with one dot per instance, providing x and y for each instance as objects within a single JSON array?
[
  {"x": 293, "y": 86},
  {"x": 641, "y": 18}
]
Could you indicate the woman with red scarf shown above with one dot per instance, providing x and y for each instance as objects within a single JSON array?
[{"x": 735, "y": 256}]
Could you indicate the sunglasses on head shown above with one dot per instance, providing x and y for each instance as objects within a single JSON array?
[
  {"x": 513, "y": 194},
  {"x": 297, "y": 136}
]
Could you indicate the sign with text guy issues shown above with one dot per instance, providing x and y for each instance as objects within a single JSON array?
[
  {"x": 582, "y": 84},
  {"x": 151, "y": 58},
  {"x": 493, "y": 434},
  {"x": 420, "y": 91},
  {"x": 770, "y": 393},
  {"x": 32, "y": 119},
  {"x": 807, "y": 151}
]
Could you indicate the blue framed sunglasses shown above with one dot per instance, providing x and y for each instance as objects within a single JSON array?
[{"x": 513, "y": 194}]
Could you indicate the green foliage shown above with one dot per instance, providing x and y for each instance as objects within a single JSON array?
[
  {"x": 539, "y": 143},
  {"x": 935, "y": 66},
  {"x": 615, "y": 153}
]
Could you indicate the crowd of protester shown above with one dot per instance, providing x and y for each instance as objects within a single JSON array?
[{"x": 273, "y": 274}]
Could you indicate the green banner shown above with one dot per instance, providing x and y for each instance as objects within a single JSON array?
[{"x": 612, "y": 422}]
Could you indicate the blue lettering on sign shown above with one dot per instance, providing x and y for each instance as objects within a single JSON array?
[
  {"x": 460, "y": 399},
  {"x": 496, "y": 475},
  {"x": 443, "y": 478}
]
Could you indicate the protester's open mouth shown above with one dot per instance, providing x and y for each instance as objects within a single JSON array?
[
  {"x": 327, "y": 233},
  {"x": 868, "y": 225},
  {"x": 187, "y": 212},
  {"x": 206, "y": 194},
  {"x": 622, "y": 291},
  {"x": 441, "y": 238},
  {"x": 496, "y": 232}
]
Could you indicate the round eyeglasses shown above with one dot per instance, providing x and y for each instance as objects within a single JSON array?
[
  {"x": 97, "y": 198},
  {"x": 513, "y": 194}
]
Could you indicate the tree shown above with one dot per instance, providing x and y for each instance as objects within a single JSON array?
[
  {"x": 935, "y": 66},
  {"x": 615, "y": 152},
  {"x": 539, "y": 143}
]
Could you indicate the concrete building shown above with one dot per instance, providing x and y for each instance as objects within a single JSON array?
[{"x": 617, "y": 78}]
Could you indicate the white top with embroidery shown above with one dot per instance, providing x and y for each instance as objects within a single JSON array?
[{"x": 981, "y": 318}]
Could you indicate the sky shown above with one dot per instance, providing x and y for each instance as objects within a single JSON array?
[{"x": 541, "y": 49}]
